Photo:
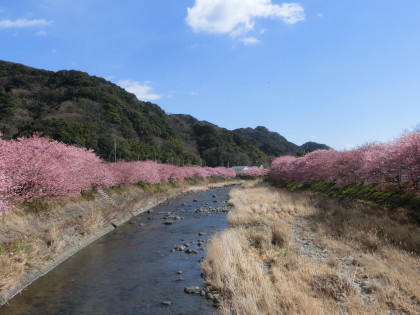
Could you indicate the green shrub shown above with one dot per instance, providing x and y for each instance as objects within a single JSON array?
[
  {"x": 20, "y": 246},
  {"x": 38, "y": 206}
]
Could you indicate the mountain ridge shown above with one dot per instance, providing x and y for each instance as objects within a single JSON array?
[{"x": 88, "y": 111}]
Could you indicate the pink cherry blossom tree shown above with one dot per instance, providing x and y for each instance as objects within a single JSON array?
[{"x": 254, "y": 172}]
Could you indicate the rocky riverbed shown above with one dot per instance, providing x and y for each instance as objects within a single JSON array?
[{"x": 150, "y": 265}]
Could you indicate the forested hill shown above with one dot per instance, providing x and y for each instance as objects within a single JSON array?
[
  {"x": 88, "y": 111},
  {"x": 269, "y": 142}
]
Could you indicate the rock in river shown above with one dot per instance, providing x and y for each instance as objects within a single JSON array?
[{"x": 191, "y": 290}]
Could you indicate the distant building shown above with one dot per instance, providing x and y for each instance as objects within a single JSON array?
[{"x": 239, "y": 169}]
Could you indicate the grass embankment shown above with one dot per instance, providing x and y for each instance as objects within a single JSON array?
[
  {"x": 399, "y": 205},
  {"x": 300, "y": 252},
  {"x": 37, "y": 236}
]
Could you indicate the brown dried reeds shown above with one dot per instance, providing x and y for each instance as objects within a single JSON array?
[{"x": 355, "y": 262}]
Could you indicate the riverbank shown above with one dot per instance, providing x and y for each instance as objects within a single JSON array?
[
  {"x": 34, "y": 242},
  {"x": 302, "y": 252}
]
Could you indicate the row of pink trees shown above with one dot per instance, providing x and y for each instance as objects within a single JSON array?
[
  {"x": 394, "y": 163},
  {"x": 254, "y": 172},
  {"x": 39, "y": 167}
]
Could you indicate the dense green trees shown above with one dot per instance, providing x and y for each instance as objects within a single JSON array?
[{"x": 87, "y": 111}]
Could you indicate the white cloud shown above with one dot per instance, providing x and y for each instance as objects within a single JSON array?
[
  {"x": 21, "y": 23},
  {"x": 142, "y": 90},
  {"x": 237, "y": 17},
  {"x": 320, "y": 15},
  {"x": 248, "y": 41}
]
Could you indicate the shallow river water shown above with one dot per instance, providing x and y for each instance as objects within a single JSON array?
[{"x": 132, "y": 269}]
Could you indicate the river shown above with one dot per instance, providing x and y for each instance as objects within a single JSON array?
[{"x": 134, "y": 269}]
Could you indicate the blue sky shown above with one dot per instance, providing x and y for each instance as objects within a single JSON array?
[{"x": 337, "y": 72}]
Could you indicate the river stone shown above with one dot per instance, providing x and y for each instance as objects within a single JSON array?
[
  {"x": 168, "y": 222},
  {"x": 167, "y": 303},
  {"x": 180, "y": 248},
  {"x": 201, "y": 233},
  {"x": 191, "y": 290},
  {"x": 365, "y": 287},
  {"x": 342, "y": 296},
  {"x": 195, "y": 200},
  {"x": 179, "y": 272}
]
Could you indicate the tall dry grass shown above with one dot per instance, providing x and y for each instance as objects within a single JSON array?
[{"x": 261, "y": 264}]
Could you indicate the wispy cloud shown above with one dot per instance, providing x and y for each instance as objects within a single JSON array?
[
  {"x": 23, "y": 23},
  {"x": 249, "y": 41},
  {"x": 237, "y": 17},
  {"x": 142, "y": 90}
]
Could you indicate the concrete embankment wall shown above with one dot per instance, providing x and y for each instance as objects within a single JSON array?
[{"x": 35, "y": 243}]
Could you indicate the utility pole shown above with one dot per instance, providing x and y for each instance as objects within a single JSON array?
[{"x": 115, "y": 149}]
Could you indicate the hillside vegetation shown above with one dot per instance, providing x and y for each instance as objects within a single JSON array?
[{"x": 88, "y": 111}]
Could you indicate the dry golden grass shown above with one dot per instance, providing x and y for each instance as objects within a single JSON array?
[
  {"x": 11, "y": 268},
  {"x": 92, "y": 222},
  {"x": 302, "y": 253},
  {"x": 280, "y": 234}
]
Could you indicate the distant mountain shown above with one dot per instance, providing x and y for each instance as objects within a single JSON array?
[
  {"x": 271, "y": 143},
  {"x": 216, "y": 145},
  {"x": 312, "y": 146},
  {"x": 88, "y": 111}
]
